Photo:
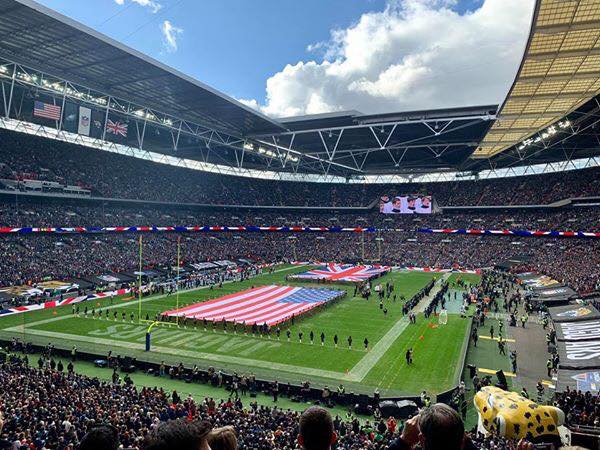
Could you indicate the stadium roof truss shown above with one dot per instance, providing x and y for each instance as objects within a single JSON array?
[
  {"x": 559, "y": 72},
  {"x": 410, "y": 142},
  {"x": 48, "y": 88}
]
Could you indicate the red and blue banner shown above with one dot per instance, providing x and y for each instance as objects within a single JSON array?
[
  {"x": 520, "y": 233},
  {"x": 27, "y": 230}
]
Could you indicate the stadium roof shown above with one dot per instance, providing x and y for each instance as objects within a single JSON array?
[
  {"x": 560, "y": 71},
  {"x": 38, "y": 37}
]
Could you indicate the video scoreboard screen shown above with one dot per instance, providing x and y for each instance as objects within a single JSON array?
[{"x": 405, "y": 204}]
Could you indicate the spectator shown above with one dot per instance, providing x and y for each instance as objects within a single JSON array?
[
  {"x": 224, "y": 438},
  {"x": 178, "y": 434},
  {"x": 316, "y": 429},
  {"x": 104, "y": 437}
]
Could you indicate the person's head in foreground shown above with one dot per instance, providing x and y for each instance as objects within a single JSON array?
[
  {"x": 437, "y": 427},
  {"x": 224, "y": 438},
  {"x": 178, "y": 434},
  {"x": 104, "y": 437},
  {"x": 316, "y": 429}
]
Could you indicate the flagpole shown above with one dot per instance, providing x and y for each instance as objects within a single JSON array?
[
  {"x": 177, "y": 283},
  {"x": 140, "y": 283}
]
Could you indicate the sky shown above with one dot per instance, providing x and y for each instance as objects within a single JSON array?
[{"x": 294, "y": 57}]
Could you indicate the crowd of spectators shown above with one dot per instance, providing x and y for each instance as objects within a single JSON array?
[
  {"x": 34, "y": 214},
  {"x": 116, "y": 176},
  {"x": 26, "y": 259},
  {"x": 581, "y": 408},
  {"x": 60, "y": 409}
]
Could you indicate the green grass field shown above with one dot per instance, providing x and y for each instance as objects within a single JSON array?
[{"x": 437, "y": 349}]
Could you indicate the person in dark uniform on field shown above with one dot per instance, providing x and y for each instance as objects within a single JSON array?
[
  {"x": 322, "y": 339},
  {"x": 350, "y": 342},
  {"x": 288, "y": 333},
  {"x": 278, "y": 332},
  {"x": 501, "y": 347},
  {"x": 300, "y": 334},
  {"x": 366, "y": 342},
  {"x": 335, "y": 340},
  {"x": 408, "y": 356},
  {"x": 312, "y": 337}
]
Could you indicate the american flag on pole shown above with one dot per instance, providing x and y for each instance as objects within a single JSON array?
[
  {"x": 265, "y": 304},
  {"x": 46, "y": 110},
  {"x": 117, "y": 128},
  {"x": 342, "y": 273}
]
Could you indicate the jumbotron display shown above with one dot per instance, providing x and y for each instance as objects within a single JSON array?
[{"x": 407, "y": 204}]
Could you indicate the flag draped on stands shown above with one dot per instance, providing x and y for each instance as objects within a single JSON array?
[
  {"x": 342, "y": 272},
  {"x": 64, "y": 302},
  {"x": 265, "y": 304},
  {"x": 47, "y": 111},
  {"x": 85, "y": 119},
  {"x": 522, "y": 233},
  {"x": 117, "y": 128}
]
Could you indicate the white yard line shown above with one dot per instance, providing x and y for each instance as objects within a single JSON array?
[
  {"x": 194, "y": 354},
  {"x": 356, "y": 374},
  {"x": 364, "y": 366}
]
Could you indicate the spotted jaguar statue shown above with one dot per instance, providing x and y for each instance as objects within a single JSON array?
[{"x": 513, "y": 416}]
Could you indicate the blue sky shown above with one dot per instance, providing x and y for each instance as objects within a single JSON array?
[{"x": 290, "y": 57}]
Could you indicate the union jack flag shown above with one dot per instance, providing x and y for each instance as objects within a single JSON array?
[
  {"x": 117, "y": 128},
  {"x": 342, "y": 272},
  {"x": 262, "y": 305}
]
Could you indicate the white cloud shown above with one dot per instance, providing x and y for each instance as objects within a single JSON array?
[
  {"x": 171, "y": 34},
  {"x": 151, "y": 4},
  {"x": 416, "y": 54}
]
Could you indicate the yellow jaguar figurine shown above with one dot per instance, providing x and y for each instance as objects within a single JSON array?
[{"x": 512, "y": 416}]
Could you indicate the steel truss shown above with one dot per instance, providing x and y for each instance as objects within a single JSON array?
[
  {"x": 348, "y": 155},
  {"x": 214, "y": 139},
  {"x": 330, "y": 162}
]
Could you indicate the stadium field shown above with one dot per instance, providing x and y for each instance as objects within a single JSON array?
[{"x": 437, "y": 349}]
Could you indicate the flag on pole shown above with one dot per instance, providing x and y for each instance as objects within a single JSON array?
[
  {"x": 117, "y": 128},
  {"x": 85, "y": 119},
  {"x": 46, "y": 110}
]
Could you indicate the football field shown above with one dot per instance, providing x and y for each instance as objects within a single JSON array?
[{"x": 438, "y": 349}]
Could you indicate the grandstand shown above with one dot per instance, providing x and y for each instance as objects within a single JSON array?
[{"x": 153, "y": 245}]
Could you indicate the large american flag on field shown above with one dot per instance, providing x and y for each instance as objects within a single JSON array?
[
  {"x": 117, "y": 128},
  {"x": 265, "y": 304},
  {"x": 45, "y": 110},
  {"x": 342, "y": 272}
]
